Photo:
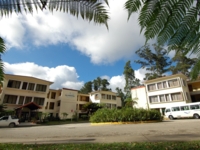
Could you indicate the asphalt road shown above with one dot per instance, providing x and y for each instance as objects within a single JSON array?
[{"x": 176, "y": 130}]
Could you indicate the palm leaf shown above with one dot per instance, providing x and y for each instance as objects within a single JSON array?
[
  {"x": 2, "y": 50},
  {"x": 87, "y": 9}
]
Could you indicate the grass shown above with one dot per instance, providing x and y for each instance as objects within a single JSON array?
[{"x": 193, "y": 145}]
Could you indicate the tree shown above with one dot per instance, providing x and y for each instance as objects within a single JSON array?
[
  {"x": 183, "y": 64},
  {"x": 87, "y": 88},
  {"x": 121, "y": 94},
  {"x": 91, "y": 10},
  {"x": 157, "y": 63},
  {"x": 129, "y": 75},
  {"x": 129, "y": 102},
  {"x": 100, "y": 84},
  {"x": 2, "y": 109},
  {"x": 171, "y": 22}
]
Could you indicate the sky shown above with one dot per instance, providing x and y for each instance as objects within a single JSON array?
[{"x": 70, "y": 51}]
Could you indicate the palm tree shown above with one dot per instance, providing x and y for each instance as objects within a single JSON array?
[
  {"x": 129, "y": 102},
  {"x": 171, "y": 22},
  {"x": 91, "y": 10}
]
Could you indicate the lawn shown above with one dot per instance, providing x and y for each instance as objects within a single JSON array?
[{"x": 194, "y": 145}]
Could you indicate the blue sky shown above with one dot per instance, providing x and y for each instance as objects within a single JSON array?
[{"x": 70, "y": 51}]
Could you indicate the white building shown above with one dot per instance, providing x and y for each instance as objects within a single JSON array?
[{"x": 163, "y": 92}]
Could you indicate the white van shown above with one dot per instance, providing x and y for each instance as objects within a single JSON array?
[{"x": 183, "y": 111}]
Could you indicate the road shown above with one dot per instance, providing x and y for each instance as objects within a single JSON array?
[{"x": 176, "y": 130}]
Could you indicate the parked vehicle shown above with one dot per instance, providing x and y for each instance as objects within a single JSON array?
[
  {"x": 10, "y": 121},
  {"x": 183, "y": 111}
]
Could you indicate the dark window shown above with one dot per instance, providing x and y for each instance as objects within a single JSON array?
[
  {"x": 51, "y": 106},
  {"x": 24, "y": 86},
  {"x": 53, "y": 95},
  {"x": 58, "y": 103},
  {"x": 31, "y": 86},
  {"x": 175, "y": 109},
  {"x": 10, "y": 99},
  {"x": 184, "y": 107},
  {"x": 21, "y": 100},
  {"x": 41, "y": 88},
  {"x": 14, "y": 84},
  {"x": 5, "y": 118},
  {"x": 39, "y": 100},
  {"x": 194, "y": 106},
  {"x": 28, "y": 100},
  {"x": 167, "y": 110}
]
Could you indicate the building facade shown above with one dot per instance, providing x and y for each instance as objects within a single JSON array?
[
  {"x": 164, "y": 92},
  {"x": 29, "y": 95}
]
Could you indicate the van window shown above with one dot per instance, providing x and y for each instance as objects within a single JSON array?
[
  {"x": 194, "y": 106},
  {"x": 167, "y": 110},
  {"x": 184, "y": 107},
  {"x": 175, "y": 109}
]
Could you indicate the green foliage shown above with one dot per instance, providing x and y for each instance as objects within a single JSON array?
[
  {"x": 171, "y": 22},
  {"x": 2, "y": 51},
  {"x": 121, "y": 95},
  {"x": 87, "y": 88},
  {"x": 126, "y": 114},
  {"x": 131, "y": 81},
  {"x": 183, "y": 64},
  {"x": 64, "y": 114},
  {"x": 157, "y": 63},
  {"x": 100, "y": 84},
  {"x": 91, "y": 10}
]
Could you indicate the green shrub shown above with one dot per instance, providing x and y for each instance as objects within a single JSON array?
[{"x": 125, "y": 114}]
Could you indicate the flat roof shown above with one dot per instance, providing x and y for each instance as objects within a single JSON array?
[{"x": 166, "y": 77}]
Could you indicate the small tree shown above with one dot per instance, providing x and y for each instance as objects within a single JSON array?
[
  {"x": 64, "y": 114},
  {"x": 129, "y": 102}
]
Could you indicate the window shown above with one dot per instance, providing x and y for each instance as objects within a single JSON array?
[
  {"x": 53, "y": 95},
  {"x": 164, "y": 84},
  {"x": 96, "y": 96},
  {"x": 108, "y": 96},
  {"x": 159, "y": 85},
  {"x": 58, "y": 103},
  {"x": 175, "y": 109},
  {"x": 39, "y": 100},
  {"x": 194, "y": 106},
  {"x": 14, "y": 84},
  {"x": 28, "y": 100},
  {"x": 151, "y": 87},
  {"x": 167, "y": 97},
  {"x": 176, "y": 96},
  {"x": 167, "y": 110},
  {"x": 108, "y": 105},
  {"x": 21, "y": 100},
  {"x": 51, "y": 105},
  {"x": 31, "y": 86},
  {"x": 10, "y": 99},
  {"x": 114, "y": 105},
  {"x": 48, "y": 94},
  {"x": 4, "y": 118},
  {"x": 24, "y": 85},
  {"x": 184, "y": 107},
  {"x": 113, "y": 97},
  {"x": 173, "y": 83},
  {"x": 153, "y": 99},
  {"x": 162, "y": 98},
  {"x": 40, "y": 87},
  {"x": 103, "y": 96}
]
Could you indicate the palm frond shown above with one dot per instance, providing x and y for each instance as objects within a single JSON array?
[
  {"x": 2, "y": 50},
  {"x": 195, "y": 70},
  {"x": 133, "y": 6},
  {"x": 87, "y": 9}
]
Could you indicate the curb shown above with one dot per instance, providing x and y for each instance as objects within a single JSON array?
[{"x": 136, "y": 122}]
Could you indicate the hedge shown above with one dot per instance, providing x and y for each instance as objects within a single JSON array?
[{"x": 125, "y": 114}]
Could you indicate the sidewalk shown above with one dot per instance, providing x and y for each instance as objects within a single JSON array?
[{"x": 27, "y": 124}]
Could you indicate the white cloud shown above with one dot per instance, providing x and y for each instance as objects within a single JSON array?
[
  {"x": 117, "y": 81},
  {"x": 96, "y": 42},
  {"x": 62, "y": 76}
]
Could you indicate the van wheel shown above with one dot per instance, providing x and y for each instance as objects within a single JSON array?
[
  {"x": 11, "y": 125},
  {"x": 196, "y": 116},
  {"x": 171, "y": 117}
]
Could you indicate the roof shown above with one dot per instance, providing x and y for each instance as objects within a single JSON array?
[
  {"x": 30, "y": 77},
  {"x": 166, "y": 78},
  {"x": 138, "y": 87},
  {"x": 102, "y": 92},
  {"x": 30, "y": 105},
  {"x": 69, "y": 89}
]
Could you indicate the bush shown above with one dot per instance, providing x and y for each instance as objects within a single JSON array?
[{"x": 125, "y": 114}]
